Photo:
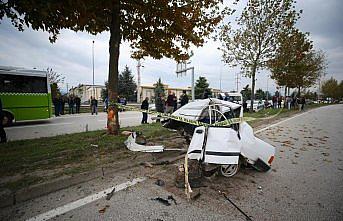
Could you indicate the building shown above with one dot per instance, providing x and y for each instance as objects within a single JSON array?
[
  {"x": 149, "y": 91},
  {"x": 85, "y": 91}
]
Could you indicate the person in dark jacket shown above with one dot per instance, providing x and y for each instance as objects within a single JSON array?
[
  {"x": 71, "y": 104},
  {"x": 63, "y": 101},
  {"x": 159, "y": 103},
  {"x": 77, "y": 104},
  {"x": 94, "y": 105},
  {"x": 174, "y": 102},
  {"x": 184, "y": 98},
  {"x": 170, "y": 103},
  {"x": 56, "y": 102},
  {"x": 145, "y": 106},
  {"x": 3, "y": 137},
  {"x": 206, "y": 94}
]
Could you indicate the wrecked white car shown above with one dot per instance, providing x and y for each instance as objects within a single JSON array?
[{"x": 221, "y": 147}]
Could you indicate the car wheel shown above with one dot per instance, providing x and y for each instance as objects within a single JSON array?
[{"x": 229, "y": 170}]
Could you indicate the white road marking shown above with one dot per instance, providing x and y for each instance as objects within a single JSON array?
[
  {"x": 81, "y": 202},
  {"x": 37, "y": 125},
  {"x": 273, "y": 125}
]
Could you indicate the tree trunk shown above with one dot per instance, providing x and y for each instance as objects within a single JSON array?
[
  {"x": 299, "y": 91},
  {"x": 114, "y": 45},
  {"x": 252, "y": 88}
]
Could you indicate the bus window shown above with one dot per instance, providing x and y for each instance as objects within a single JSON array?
[{"x": 22, "y": 84}]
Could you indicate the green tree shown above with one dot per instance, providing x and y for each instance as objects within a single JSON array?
[
  {"x": 55, "y": 90},
  {"x": 127, "y": 85},
  {"x": 340, "y": 90},
  {"x": 153, "y": 28},
  {"x": 296, "y": 64},
  {"x": 201, "y": 88},
  {"x": 310, "y": 95},
  {"x": 292, "y": 49},
  {"x": 104, "y": 91},
  {"x": 330, "y": 88},
  {"x": 253, "y": 43},
  {"x": 55, "y": 81},
  {"x": 246, "y": 93},
  {"x": 159, "y": 88},
  {"x": 260, "y": 95}
]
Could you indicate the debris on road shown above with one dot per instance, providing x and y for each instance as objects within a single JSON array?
[
  {"x": 109, "y": 195},
  {"x": 133, "y": 146},
  {"x": 166, "y": 201},
  {"x": 239, "y": 209},
  {"x": 196, "y": 196},
  {"x": 163, "y": 201},
  {"x": 103, "y": 210},
  {"x": 160, "y": 182},
  {"x": 147, "y": 164},
  {"x": 170, "y": 197}
]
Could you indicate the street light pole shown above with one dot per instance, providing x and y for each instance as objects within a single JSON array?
[
  {"x": 93, "y": 67},
  {"x": 139, "y": 81}
]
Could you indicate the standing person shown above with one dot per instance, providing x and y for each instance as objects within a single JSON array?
[
  {"x": 303, "y": 102},
  {"x": 106, "y": 104},
  {"x": 293, "y": 102},
  {"x": 279, "y": 102},
  {"x": 274, "y": 101},
  {"x": 299, "y": 103},
  {"x": 3, "y": 137},
  {"x": 56, "y": 103},
  {"x": 170, "y": 103},
  {"x": 63, "y": 103},
  {"x": 159, "y": 103},
  {"x": 205, "y": 94},
  {"x": 94, "y": 105},
  {"x": 184, "y": 98},
  {"x": 71, "y": 104},
  {"x": 174, "y": 102},
  {"x": 145, "y": 106},
  {"x": 289, "y": 102},
  {"x": 77, "y": 104}
]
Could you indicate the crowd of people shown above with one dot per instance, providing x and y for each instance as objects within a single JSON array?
[
  {"x": 163, "y": 105},
  {"x": 73, "y": 102}
]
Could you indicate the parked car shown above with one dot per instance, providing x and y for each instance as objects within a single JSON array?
[{"x": 257, "y": 106}]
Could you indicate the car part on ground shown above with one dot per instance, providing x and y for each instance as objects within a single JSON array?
[{"x": 133, "y": 146}]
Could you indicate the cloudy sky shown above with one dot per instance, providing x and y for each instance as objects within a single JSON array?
[{"x": 71, "y": 55}]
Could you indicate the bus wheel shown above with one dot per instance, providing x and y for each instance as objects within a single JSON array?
[{"x": 7, "y": 119}]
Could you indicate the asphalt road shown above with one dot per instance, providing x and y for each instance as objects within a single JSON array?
[
  {"x": 67, "y": 124},
  {"x": 305, "y": 183}
]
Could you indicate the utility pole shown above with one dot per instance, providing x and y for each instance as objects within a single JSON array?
[
  {"x": 220, "y": 80},
  {"x": 181, "y": 68},
  {"x": 93, "y": 67},
  {"x": 139, "y": 81},
  {"x": 238, "y": 81}
]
